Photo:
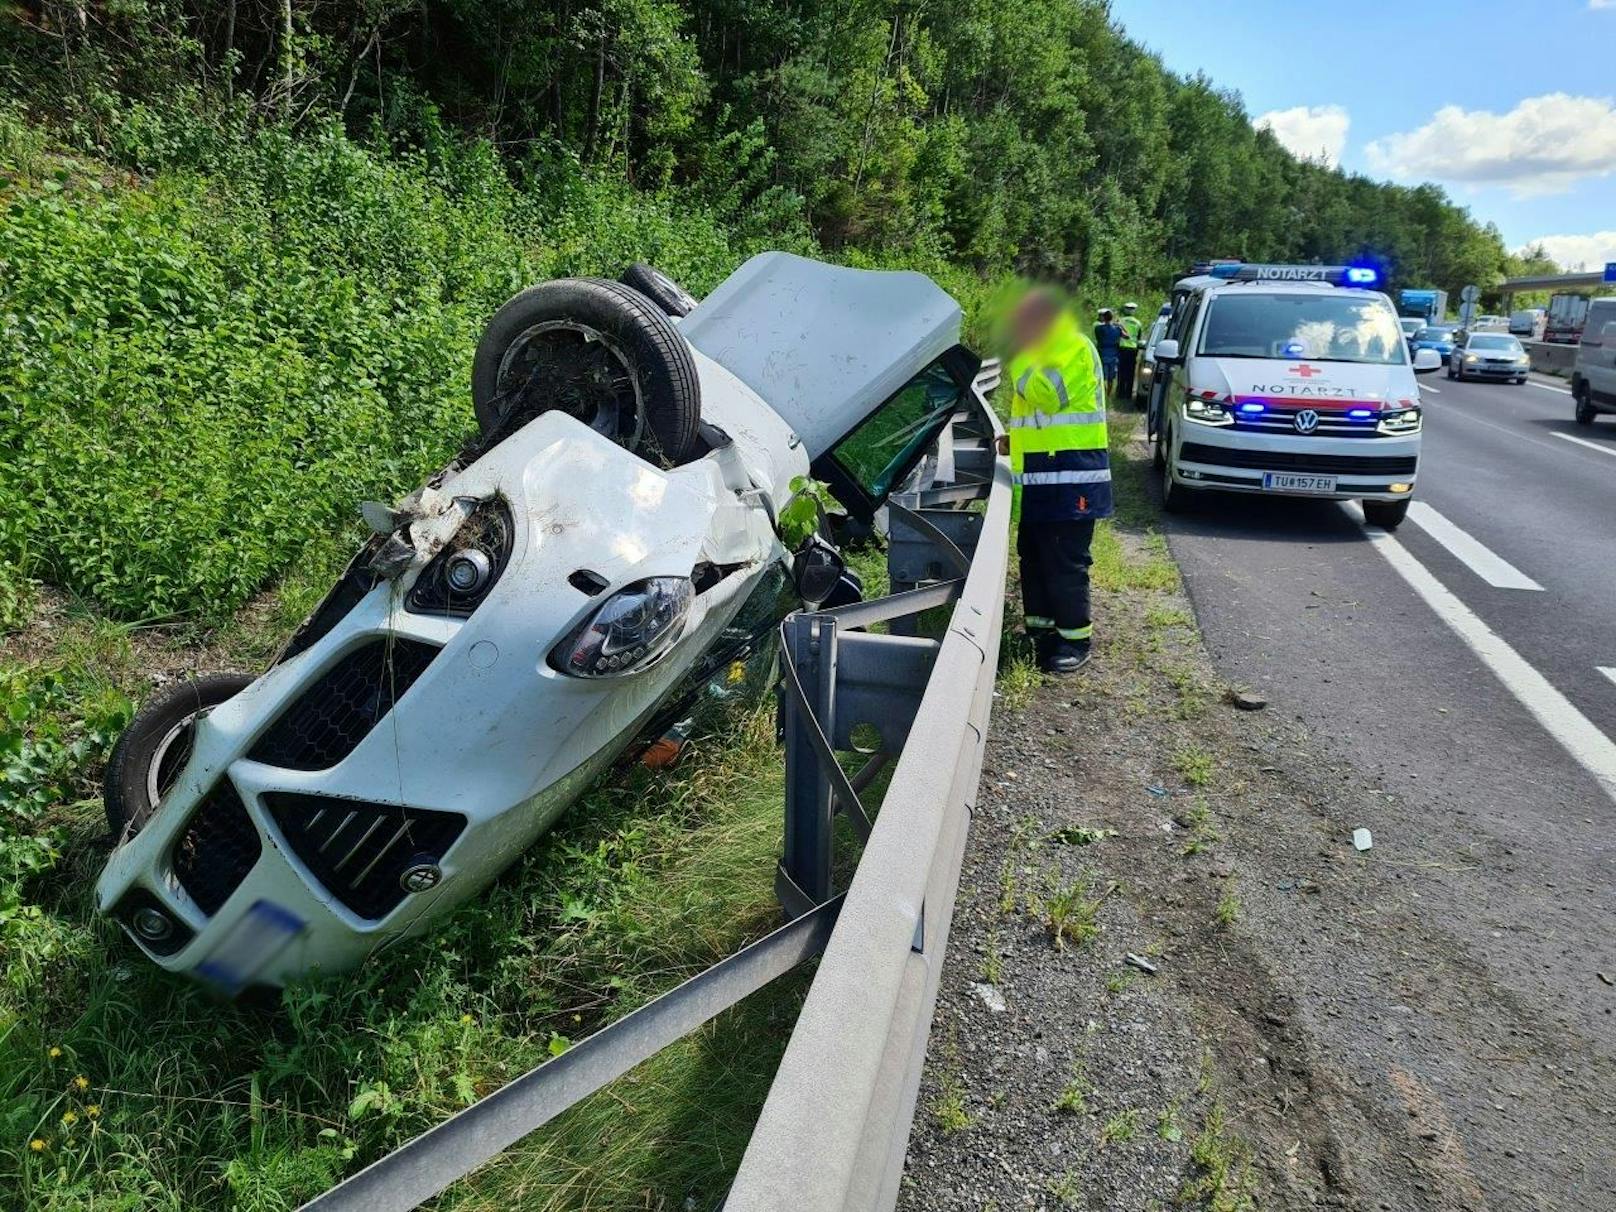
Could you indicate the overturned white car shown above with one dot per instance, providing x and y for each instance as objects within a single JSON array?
[{"x": 606, "y": 545}]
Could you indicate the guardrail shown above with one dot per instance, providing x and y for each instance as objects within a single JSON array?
[
  {"x": 1551, "y": 358},
  {"x": 835, "y": 1127}
]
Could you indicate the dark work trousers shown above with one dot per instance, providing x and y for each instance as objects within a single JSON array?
[
  {"x": 1127, "y": 359},
  {"x": 1055, "y": 574}
]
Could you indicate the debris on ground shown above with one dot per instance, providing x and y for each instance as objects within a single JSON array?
[
  {"x": 991, "y": 997},
  {"x": 1361, "y": 839},
  {"x": 1140, "y": 962},
  {"x": 1245, "y": 700}
]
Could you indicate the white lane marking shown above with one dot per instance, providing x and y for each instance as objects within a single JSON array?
[
  {"x": 1608, "y": 670},
  {"x": 1546, "y": 387},
  {"x": 1513, "y": 435},
  {"x": 1494, "y": 569},
  {"x": 1590, "y": 748},
  {"x": 1610, "y": 450},
  {"x": 1435, "y": 391}
]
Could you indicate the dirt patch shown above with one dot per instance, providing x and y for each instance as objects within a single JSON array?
[{"x": 1311, "y": 1036}]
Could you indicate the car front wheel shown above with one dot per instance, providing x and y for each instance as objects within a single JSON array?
[
  {"x": 154, "y": 749},
  {"x": 1175, "y": 497},
  {"x": 1388, "y": 515}
]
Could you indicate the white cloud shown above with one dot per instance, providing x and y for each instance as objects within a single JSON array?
[
  {"x": 1314, "y": 132},
  {"x": 1544, "y": 145},
  {"x": 1588, "y": 252},
  {"x": 1602, "y": 3}
]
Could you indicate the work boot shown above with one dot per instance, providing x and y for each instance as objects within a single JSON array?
[
  {"x": 1067, "y": 656},
  {"x": 1043, "y": 645}
]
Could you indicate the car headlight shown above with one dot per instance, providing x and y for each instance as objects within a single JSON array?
[
  {"x": 1524, "y": 359},
  {"x": 1402, "y": 422},
  {"x": 1206, "y": 412},
  {"x": 1471, "y": 358},
  {"x": 627, "y": 631}
]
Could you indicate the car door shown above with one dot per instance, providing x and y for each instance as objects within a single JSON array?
[{"x": 1596, "y": 357}]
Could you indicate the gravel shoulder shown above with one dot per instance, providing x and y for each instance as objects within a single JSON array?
[{"x": 1314, "y": 1032}]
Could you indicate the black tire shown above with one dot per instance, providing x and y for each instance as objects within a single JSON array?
[
  {"x": 1176, "y": 498},
  {"x": 154, "y": 748},
  {"x": 659, "y": 288},
  {"x": 1585, "y": 405},
  {"x": 1388, "y": 515},
  {"x": 600, "y": 351}
]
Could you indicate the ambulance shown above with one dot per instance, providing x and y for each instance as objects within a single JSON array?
[{"x": 1288, "y": 380}]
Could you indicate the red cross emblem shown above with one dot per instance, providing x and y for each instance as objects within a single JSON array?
[{"x": 1306, "y": 371}]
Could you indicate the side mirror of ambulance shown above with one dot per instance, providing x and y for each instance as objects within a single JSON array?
[
  {"x": 1166, "y": 350},
  {"x": 1426, "y": 360}
]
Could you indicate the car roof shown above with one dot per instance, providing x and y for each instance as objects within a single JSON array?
[{"x": 823, "y": 345}]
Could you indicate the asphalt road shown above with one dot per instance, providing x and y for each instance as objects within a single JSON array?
[{"x": 1459, "y": 667}]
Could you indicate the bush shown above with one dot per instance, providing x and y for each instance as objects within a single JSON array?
[{"x": 204, "y": 371}]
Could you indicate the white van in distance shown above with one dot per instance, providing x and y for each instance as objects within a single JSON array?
[{"x": 1291, "y": 380}]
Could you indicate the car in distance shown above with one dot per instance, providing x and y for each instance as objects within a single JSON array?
[
  {"x": 1410, "y": 325},
  {"x": 1146, "y": 376},
  {"x": 1527, "y": 323},
  {"x": 1488, "y": 355},
  {"x": 604, "y": 547},
  {"x": 1593, "y": 375},
  {"x": 1436, "y": 337}
]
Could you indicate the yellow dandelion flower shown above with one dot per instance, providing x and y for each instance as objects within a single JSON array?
[
  {"x": 70, "y": 1117},
  {"x": 54, "y": 1053},
  {"x": 465, "y": 1018},
  {"x": 37, "y": 1145},
  {"x": 92, "y": 1111},
  {"x": 81, "y": 1082}
]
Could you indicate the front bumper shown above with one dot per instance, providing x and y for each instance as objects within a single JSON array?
[
  {"x": 1493, "y": 370},
  {"x": 1236, "y": 460}
]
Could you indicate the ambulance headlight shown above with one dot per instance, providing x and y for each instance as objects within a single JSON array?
[
  {"x": 1404, "y": 421},
  {"x": 629, "y": 630},
  {"x": 1206, "y": 412}
]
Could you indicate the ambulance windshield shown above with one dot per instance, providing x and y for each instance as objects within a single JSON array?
[{"x": 1318, "y": 326}]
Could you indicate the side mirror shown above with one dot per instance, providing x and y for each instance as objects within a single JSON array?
[
  {"x": 816, "y": 570},
  {"x": 1166, "y": 350},
  {"x": 1426, "y": 360}
]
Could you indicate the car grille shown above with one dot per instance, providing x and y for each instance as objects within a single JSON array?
[
  {"x": 1277, "y": 460},
  {"x": 219, "y": 846},
  {"x": 338, "y": 711},
  {"x": 1331, "y": 425},
  {"x": 359, "y": 850}
]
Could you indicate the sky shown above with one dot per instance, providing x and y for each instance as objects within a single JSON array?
[{"x": 1510, "y": 107}]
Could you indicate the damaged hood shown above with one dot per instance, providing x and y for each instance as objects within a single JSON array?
[{"x": 821, "y": 344}]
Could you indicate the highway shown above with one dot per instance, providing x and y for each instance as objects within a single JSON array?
[{"x": 1464, "y": 669}]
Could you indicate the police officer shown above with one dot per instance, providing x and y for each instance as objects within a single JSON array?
[
  {"x": 1128, "y": 352},
  {"x": 1057, "y": 448}
]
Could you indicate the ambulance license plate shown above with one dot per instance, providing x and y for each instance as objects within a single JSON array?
[{"x": 1284, "y": 481}]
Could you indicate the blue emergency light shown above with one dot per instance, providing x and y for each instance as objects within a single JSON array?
[{"x": 1333, "y": 275}]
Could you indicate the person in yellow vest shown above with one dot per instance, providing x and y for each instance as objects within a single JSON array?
[
  {"x": 1128, "y": 355},
  {"x": 1057, "y": 448}
]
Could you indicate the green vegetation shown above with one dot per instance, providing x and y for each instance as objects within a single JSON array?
[{"x": 1223, "y": 1181}]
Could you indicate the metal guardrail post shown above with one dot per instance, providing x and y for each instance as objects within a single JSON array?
[{"x": 803, "y": 877}]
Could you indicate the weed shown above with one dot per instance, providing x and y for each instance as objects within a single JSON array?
[
  {"x": 992, "y": 962},
  {"x": 1074, "y": 1097},
  {"x": 1119, "y": 980},
  {"x": 1070, "y": 913},
  {"x": 1223, "y": 1182},
  {"x": 1167, "y": 1125},
  {"x": 1194, "y": 764},
  {"x": 1066, "y": 1190},
  {"x": 1120, "y": 1128},
  {"x": 1018, "y": 683},
  {"x": 949, "y": 1107},
  {"x": 1228, "y": 910}
]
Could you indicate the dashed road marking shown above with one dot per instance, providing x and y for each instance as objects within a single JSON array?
[
  {"x": 1600, "y": 447},
  {"x": 1608, "y": 670},
  {"x": 1481, "y": 560},
  {"x": 1544, "y": 386},
  {"x": 1435, "y": 391},
  {"x": 1576, "y": 733}
]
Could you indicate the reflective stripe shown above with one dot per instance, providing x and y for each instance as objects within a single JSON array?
[
  {"x": 1037, "y": 622},
  {"x": 1044, "y": 420},
  {"x": 1103, "y": 476},
  {"x": 1075, "y": 633},
  {"x": 1021, "y": 383},
  {"x": 1053, "y": 374}
]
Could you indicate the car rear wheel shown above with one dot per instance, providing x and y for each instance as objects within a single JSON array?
[
  {"x": 1585, "y": 405},
  {"x": 1388, "y": 515},
  {"x": 599, "y": 351},
  {"x": 659, "y": 288},
  {"x": 153, "y": 751}
]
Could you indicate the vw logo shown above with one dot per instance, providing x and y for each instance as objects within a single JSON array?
[{"x": 1307, "y": 421}]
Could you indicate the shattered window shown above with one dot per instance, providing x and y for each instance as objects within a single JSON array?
[{"x": 881, "y": 448}]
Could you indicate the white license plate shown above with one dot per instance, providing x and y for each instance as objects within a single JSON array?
[
  {"x": 1280, "y": 481},
  {"x": 247, "y": 948}
]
